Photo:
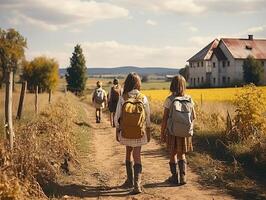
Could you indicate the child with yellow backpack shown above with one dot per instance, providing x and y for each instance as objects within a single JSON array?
[{"x": 132, "y": 120}]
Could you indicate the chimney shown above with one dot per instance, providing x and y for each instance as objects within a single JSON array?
[{"x": 250, "y": 37}]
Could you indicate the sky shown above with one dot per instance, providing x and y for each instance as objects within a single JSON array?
[{"x": 145, "y": 33}]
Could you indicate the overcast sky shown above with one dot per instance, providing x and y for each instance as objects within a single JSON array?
[{"x": 130, "y": 32}]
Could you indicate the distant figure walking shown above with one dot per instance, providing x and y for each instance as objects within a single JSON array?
[
  {"x": 132, "y": 120},
  {"x": 113, "y": 97},
  {"x": 177, "y": 128},
  {"x": 99, "y": 99}
]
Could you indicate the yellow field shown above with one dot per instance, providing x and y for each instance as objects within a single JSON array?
[{"x": 216, "y": 94}]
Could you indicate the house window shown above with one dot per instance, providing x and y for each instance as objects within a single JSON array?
[
  {"x": 228, "y": 80},
  {"x": 202, "y": 63},
  {"x": 194, "y": 81},
  {"x": 214, "y": 81},
  {"x": 223, "y": 63},
  {"x": 191, "y": 80},
  {"x": 198, "y": 64},
  {"x": 213, "y": 64},
  {"x": 190, "y": 65},
  {"x": 198, "y": 80},
  {"x": 202, "y": 79},
  {"x": 228, "y": 63},
  {"x": 224, "y": 80}
]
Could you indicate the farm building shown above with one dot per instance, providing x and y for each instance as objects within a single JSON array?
[{"x": 220, "y": 63}]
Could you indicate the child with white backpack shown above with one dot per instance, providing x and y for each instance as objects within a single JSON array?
[
  {"x": 177, "y": 129},
  {"x": 99, "y": 99}
]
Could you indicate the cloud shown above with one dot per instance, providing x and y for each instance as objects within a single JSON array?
[
  {"x": 193, "y": 29},
  {"x": 113, "y": 53},
  {"x": 151, "y": 22},
  {"x": 57, "y": 14},
  {"x": 256, "y": 29},
  {"x": 195, "y": 7}
]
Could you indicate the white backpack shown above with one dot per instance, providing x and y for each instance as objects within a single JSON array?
[
  {"x": 99, "y": 96},
  {"x": 180, "y": 121}
]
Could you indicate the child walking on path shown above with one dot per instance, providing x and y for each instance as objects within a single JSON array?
[
  {"x": 177, "y": 128},
  {"x": 132, "y": 120},
  {"x": 113, "y": 97},
  {"x": 99, "y": 99}
]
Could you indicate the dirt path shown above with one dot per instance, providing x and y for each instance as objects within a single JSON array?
[{"x": 103, "y": 171}]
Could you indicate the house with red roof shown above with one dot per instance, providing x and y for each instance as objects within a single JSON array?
[{"x": 220, "y": 63}]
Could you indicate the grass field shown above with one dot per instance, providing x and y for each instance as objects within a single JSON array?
[{"x": 209, "y": 95}]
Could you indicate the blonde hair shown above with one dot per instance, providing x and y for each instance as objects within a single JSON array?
[{"x": 178, "y": 85}]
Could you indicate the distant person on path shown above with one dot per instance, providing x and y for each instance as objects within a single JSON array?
[
  {"x": 113, "y": 97},
  {"x": 177, "y": 128},
  {"x": 132, "y": 120},
  {"x": 99, "y": 99}
]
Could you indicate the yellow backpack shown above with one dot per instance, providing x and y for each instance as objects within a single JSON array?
[{"x": 133, "y": 117}]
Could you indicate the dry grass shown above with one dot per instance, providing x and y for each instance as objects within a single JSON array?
[
  {"x": 42, "y": 147},
  {"x": 28, "y": 110}
]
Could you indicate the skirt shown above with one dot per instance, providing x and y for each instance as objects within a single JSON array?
[
  {"x": 133, "y": 142},
  {"x": 179, "y": 144},
  {"x": 112, "y": 106}
]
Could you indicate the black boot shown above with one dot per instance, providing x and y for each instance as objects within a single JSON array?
[
  {"x": 137, "y": 179},
  {"x": 182, "y": 164},
  {"x": 129, "y": 169},
  {"x": 174, "y": 178}
]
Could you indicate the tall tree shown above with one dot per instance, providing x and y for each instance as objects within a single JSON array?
[
  {"x": 253, "y": 71},
  {"x": 12, "y": 46},
  {"x": 76, "y": 76}
]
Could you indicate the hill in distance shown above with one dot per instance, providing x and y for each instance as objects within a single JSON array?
[{"x": 127, "y": 69}]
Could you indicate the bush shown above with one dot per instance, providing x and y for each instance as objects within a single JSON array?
[
  {"x": 253, "y": 71},
  {"x": 249, "y": 122},
  {"x": 41, "y": 71}
]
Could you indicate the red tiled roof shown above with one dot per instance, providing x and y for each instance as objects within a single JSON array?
[
  {"x": 242, "y": 48},
  {"x": 205, "y": 53}
]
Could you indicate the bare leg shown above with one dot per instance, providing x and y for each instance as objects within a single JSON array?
[
  {"x": 128, "y": 153},
  {"x": 173, "y": 156},
  {"x": 136, "y": 155}
]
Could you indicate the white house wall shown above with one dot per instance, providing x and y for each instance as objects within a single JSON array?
[{"x": 197, "y": 73}]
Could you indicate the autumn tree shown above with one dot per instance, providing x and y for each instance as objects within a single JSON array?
[
  {"x": 76, "y": 75},
  {"x": 12, "y": 46},
  {"x": 253, "y": 71},
  {"x": 41, "y": 71}
]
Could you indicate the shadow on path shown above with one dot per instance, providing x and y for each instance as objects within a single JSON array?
[{"x": 82, "y": 191}]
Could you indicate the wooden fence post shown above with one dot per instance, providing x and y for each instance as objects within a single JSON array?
[
  {"x": 21, "y": 99},
  {"x": 50, "y": 96},
  {"x": 8, "y": 109},
  {"x": 36, "y": 99}
]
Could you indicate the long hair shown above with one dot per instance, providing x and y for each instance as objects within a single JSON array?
[
  {"x": 132, "y": 82},
  {"x": 178, "y": 85}
]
